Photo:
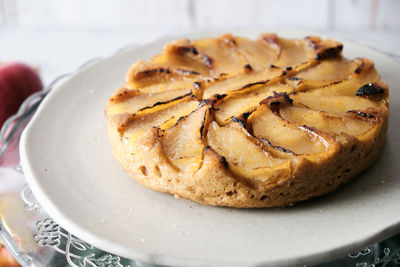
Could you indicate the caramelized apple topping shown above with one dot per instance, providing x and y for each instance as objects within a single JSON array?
[{"x": 256, "y": 104}]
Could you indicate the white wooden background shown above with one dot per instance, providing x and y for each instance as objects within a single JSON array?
[
  {"x": 60, "y": 34},
  {"x": 185, "y": 15}
]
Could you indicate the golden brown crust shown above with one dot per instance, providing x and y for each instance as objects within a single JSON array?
[
  {"x": 214, "y": 183},
  {"x": 298, "y": 178}
]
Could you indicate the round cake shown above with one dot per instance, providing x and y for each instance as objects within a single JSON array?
[{"x": 230, "y": 121}]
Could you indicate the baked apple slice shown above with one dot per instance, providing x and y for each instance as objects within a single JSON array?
[
  {"x": 336, "y": 104},
  {"x": 132, "y": 101},
  {"x": 327, "y": 122},
  {"x": 245, "y": 157},
  {"x": 324, "y": 73},
  {"x": 297, "y": 54},
  {"x": 241, "y": 82},
  {"x": 183, "y": 143},
  {"x": 325, "y": 48},
  {"x": 149, "y": 78},
  {"x": 365, "y": 73},
  {"x": 235, "y": 104},
  {"x": 330, "y": 70},
  {"x": 121, "y": 111},
  {"x": 140, "y": 124},
  {"x": 184, "y": 56},
  {"x": 143, "y": 74},
  {"x": 221, "y": 55},
  {"x": 284, "y": 135},
  {"x": 259, "y": 53},
  {"x": 292, "y": 52}
]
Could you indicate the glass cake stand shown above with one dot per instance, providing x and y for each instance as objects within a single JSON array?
[{"x": 35, "y": 239}]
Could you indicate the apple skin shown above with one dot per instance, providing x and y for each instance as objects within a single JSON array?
[
  {"x": 6, "y": 260},
  {"x": 17, "y": 82}
]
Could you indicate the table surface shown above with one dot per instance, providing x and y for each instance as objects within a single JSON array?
[{"x": 59, "y": 52}]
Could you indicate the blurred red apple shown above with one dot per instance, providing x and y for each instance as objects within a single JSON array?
[
  {"x": 6, "y": 260},
  {"x": 17, "y": 82}
]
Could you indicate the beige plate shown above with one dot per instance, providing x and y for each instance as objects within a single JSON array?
[{"x": 68, "y": 162}]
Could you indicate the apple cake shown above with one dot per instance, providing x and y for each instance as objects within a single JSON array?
[{"x": 230, "y": 121}]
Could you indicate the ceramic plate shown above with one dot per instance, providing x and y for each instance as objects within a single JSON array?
[{"x": 68, "y": 162}]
